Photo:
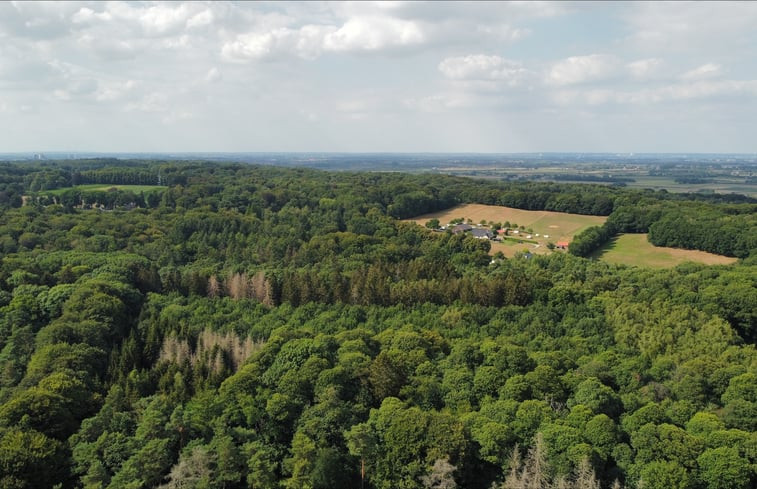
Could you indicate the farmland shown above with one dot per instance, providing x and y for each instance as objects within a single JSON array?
[
  {"x": 634, "y": 249},
  {"x": 558, "y": 226}
]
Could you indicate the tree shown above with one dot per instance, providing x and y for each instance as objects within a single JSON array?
[
  {"x": 361, "y": 442},
  {"x": 740, "y": 399},
  {"x": 194, "y": 470},
  {"x": 229, "y": 461},
  {"x": 663, "y": 474},
  {"x": 585, "y": 478},
  {"x": 597, "y": 397},
  {"x": 724, "y": 468},
  {"x": 30, "y": 459},
  {"x": 602, "y": 433},
  {"x": 262, "y": 466},
  {"x": 533, "y": 471},
  {"x": 440, "y": 476}
]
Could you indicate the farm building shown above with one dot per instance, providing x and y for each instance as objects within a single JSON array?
[{"x": 482, "y": 233}]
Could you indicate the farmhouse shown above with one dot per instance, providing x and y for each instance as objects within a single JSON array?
[
  {"x": 461, "y": 228},
  {"x": 482, "y": 233},
  {"x": 563, "y": 245}
]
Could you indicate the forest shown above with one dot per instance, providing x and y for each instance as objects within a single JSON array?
[{"x": 252, "y": 326}]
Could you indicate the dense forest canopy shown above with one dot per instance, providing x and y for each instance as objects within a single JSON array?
[{"x": 229, "y": 326}]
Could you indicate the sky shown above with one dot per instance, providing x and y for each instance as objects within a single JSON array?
[{"x": 378, "y": 77}]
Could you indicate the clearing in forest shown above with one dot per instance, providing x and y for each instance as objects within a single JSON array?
[
  {"x": 557, "y": 226},
  {"x": 634, "y": 249}
]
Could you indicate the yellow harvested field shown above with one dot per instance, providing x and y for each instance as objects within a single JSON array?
[
  {"x": 634, "y": 249},
  {"x": 558, "y": 226}
]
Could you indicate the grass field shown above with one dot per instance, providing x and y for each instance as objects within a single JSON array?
[
  {"x": 99, "y": 186},
  {"x": 559, "y": 226},
  {"x": 718, "y": 185},
  {"x": 634, "y": 249}
]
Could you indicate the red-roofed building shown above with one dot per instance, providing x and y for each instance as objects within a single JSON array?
[{"x": 562, "y": 245}]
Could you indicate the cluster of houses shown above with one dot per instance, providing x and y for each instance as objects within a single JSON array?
[
  {"x": 481, "y": 232},
  {"x": 486, "y": 233},
  {"x": 476, "y": 232}
]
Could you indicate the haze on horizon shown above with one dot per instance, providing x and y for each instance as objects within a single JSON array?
[{"x": 378, "y": 77}]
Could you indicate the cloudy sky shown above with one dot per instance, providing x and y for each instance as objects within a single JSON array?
[{"x": 390, "y": 76}]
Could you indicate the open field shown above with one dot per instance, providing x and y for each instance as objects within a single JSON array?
[
  {"x": 634, "y": 249},
  {"x": 718, "y": 179},
  {"x": 510, "y": 247},
  {"x": 717, "y": 185},
  {"x": 104, "y": 188},
  {"x": 558, "y": 226}
]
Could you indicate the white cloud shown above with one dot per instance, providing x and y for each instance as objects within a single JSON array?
[
  {"x": 35, "y": 20},
  {"x": 253, "y": 46},
  {"x": 373, "y": 34},
  {"x": 213, "y": 75},
  {"x": 363, "y": 34},
  {"x": 142, "y": 65},
  {"x": 677, "y": 92},
  {"x": 165, "y": 19},
  {"x": 483, "y": 67},
  {"x": 692, "y": 27},
  {"x": 440, "y": 102},
  {"x": 114, "y": 91},
  {"x": 644, "y": 68},
  {"x": 110, "y": 48},
  {"x": 709, "y": 70},
  {"x": 707, "y": 89},
  {"x": 582, "y": 69},
  {"x": 86, "y": 15},
  {"x": 201, "y": 19},
  {"x": 153, "y": 102}
]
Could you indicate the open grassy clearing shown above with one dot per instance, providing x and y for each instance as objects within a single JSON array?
[
  {"x": 509, "y": 248},
  {"x": 634, "y": 249},
  {"x": 558, "y": 226},
  {"x": 104, "y": 188}
]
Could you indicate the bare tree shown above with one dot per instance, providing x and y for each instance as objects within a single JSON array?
[
  {"x": 261, "y": 288},
  {"x": 195, "y": 470},
  {"x": 535, "y": 474},
  {"x": 238, "y": 286},
  {"x": 212, "y": 347},
  {"x": 585, "y": 477},
  {"x": 440, "y": 476},
  {"x": 214, "y": 287}
]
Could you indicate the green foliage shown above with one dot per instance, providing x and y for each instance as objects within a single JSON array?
[
  {"x": 252, "y": 326},
  {"x": 598, "y": 397},
  {"x": 724, "y": 468},
  {"x": 29, "y": 459},
  {"x": 589, "y": 240}
]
